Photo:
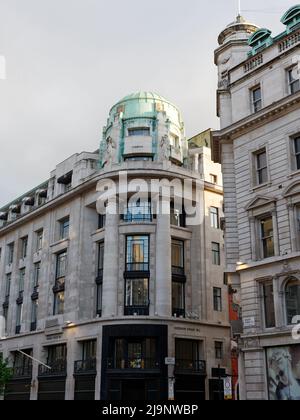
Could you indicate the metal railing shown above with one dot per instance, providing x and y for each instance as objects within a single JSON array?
[
  {"x": 141, "y": 267},
  {"x": 85, "y": 366},
  {"x": 58, "y": 368},
  {"x": 133, "y": 364},
  {"x": 191, "y": 366},
  {"x": 24, "y": 371}
]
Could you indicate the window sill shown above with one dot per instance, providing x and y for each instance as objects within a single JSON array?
[
  {"x": 261, "y": 186},
  {"x": 64, "y": 243}
]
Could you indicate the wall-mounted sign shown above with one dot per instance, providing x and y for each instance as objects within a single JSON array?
[
  {"x": 170, "y": 361},
  {"x": 249, "y": 322}
]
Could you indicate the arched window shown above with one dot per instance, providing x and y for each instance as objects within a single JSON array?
[{"x": 292, "y": 299}]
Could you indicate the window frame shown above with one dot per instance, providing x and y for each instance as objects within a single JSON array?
[
  {"x": 145, "y": 264},
  {"x": 64, "y": 228},
  {"x": 257, "y": 104},
  {"x": 292, "y": 82},
  {"x": 214, "y": 217},
  {"x": 217, "y": 299},
  {"x": 264, "y": 238},
  {"x": 216, "y": 254}
]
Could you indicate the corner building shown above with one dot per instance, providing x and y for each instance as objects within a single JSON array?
[
  {"x": 104, "y": 299},
  {"x": 259, "y": 110}
]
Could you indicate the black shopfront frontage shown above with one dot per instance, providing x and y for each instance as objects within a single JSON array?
[{"x": 133, "y": 363}]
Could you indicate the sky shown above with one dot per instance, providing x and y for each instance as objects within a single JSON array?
[{"x": 69, "y": 61}]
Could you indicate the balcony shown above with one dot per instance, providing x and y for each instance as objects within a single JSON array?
[
  {"x": 134, "y": 364},
  {"x": 85, "y": 367},
  {"x": 24, "y": 371},
  {"x": 58, "y": 368},
  {"x": 189, "y": 366},
  {"x": 136, "y": 310}
]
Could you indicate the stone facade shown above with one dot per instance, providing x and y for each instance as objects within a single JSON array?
[
  {"x": 93, "y": 326},
  {"x": 259, "y": 110}
]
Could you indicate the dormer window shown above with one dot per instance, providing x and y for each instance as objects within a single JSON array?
[{"x": 139, "y": 131}]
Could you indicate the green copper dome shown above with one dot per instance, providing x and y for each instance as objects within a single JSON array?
[{"x": 145, "y": 105}]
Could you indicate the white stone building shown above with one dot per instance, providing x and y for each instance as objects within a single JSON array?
[
  {"x": 259, "y": 110},
  {"x": 102, "y": 300}
]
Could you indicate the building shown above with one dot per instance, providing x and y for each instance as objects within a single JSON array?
[
  {"x": 103, "y": 299},
  {"x": 259, "y": 145}
]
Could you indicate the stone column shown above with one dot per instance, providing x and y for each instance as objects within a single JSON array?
[
  {"x": 293, "y": 227},
  {"x": 163, "y": 262},
  {"x": 276, "y": 235},
  {"x": 111, "y": 263}
]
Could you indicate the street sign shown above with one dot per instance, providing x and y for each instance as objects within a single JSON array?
[
  {"x": 170, "y": 361},
  {"x": 249, "y": 322},
  {"x": 228, "y": 388}
]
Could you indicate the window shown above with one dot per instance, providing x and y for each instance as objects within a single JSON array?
[
  {"x": 36, "y": 274},
  {"x": 137, "y": 253},
  {"x": 134, "y": 353},
  {"x": 34, "y": 311},
  {"x": 101, "y": 221},
  {"x": 217, "y": 299},
  {"x": 256, "y": 99},
  {"x": 293, "y": 79},
  {"x": 297, "y": 152},
  {"x": 138, "y": 211},
  {"x": 214, "y": 217},
  {"x": 174, "y": 141},
  {"x": 139, "y": 131},
  {"x": 19, "y": 318},
  {"x": 64, "y": 226},
  {"x": 7, "y": 286},
  {"x": 57, "y": 359},
  {"x": 267, "y": 238},
  {"x": 292, "y": 300},
  {"x": 137, "y": 296},
  {"x": 10, "y": 253},
  {"x": 139, "y": 159},
  {"x": 99, "y": 280},
  {"x": 178, "y": 215},
  {"x": 24, "y": 245},
  {"x": 188, "y": 355},
  {"x": 59, "y": 288},
  {"x": 178, "y": 299},
  {"x": 269, "y": 306},
  {"x": 261, "y": 167},
  {"x": 39, "y": 240},
  {"x": 89, "y": 350},
  {"x": 177, "y": 257},
  {"x": 21, "y": 282},
  {"x": 216, "y": 253},
  {"x": 219, "y": 350},
  {"x": 213, "y": 179}
]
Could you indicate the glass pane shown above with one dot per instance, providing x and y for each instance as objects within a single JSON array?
[
  {"x": 269, "y": 306},
  {"x": 292, "y": 301},
  {"x": 59, "y": 303},
  {"x": 178, "y": 254},
  {"x": 178, "y": 296},
  {"x": 261, "y": 160},
  {"x": 61, "y": 265},
  {"x": 137, "y": 292}
]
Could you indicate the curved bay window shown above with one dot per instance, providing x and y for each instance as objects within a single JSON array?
[
  {"x": 138, "y": 211},
  {"x": 292, "y": 299}
]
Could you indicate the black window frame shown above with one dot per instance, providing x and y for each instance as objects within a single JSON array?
[
  {"x": 256, "y": 101},
  {"x": 217, "y": 299},
  {"x": 142, "y": 266},
  {"x": 216, "y": 253}
]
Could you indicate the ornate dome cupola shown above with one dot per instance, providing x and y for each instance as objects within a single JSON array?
[
  {"x": 292, "y": 18},
  {"x": 143, "y": 126}
]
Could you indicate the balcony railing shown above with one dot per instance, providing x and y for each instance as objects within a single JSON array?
[
  {"x": 179, "y": 313},
  {"x": 136, "y": 310},
  {"x": 190, "y": 366},
  {"x": 137, "y": 217},
  {"x": 58, "y": 368},
  {"x": 85, "y": 366},
  {"x": 134, "y": 364},
  {"x": 24, "y": 371},
  {"x": 137, "y": 267}
]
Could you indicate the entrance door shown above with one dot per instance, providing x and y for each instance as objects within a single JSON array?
[{"x": 133, "y": 390}]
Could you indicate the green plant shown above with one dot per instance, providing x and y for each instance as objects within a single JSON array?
[{"x": 5, "y": 374}]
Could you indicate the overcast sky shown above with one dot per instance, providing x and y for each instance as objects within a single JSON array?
[{"x": 69, "y": 61}]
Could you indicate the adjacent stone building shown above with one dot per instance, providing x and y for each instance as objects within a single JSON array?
[
  {"x": 259, "y": 109},
  {"x": 101, "y": 300}
]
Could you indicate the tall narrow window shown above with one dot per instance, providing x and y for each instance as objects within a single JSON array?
[
  {"x": 19, "y": 318},
  {"x": 292, "y": 300},
  {"x": 59, "y": 288},
  {"x": 256, "y": 99},
  {"x": 177, "y": 257},
  {"x": 294, "y": 82},
  {"x": 21, "y": 282},
  {"x": 297, "y": 152},
  {"x": 7, "y": 287},
  {"x": 137, "y": 296},
  {"x": 269, "y": 306},
  {"x": 214, "y": 217},
  {"x": 137, "y": 250},
  {"x": 261, "y": 167},
  {"x": 99, "y": 279},
  {"x": 267, "y": 237},
  {"x": 10, "y": 253},
  {"x": 219, "y": 350},
  {"x": 178, "y": 298},
  {"x": 34, "y": 311},
  {"x": 216, "y": 253},
  {"x": 24, "y": 246},
  {"x": 36, "y": 274},
  {"x": 217, "y": 299},
  {"x": 64, "y": 226},
  {"x": 39, "y": 240}
]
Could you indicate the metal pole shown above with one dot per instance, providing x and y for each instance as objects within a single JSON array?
[{"x": 35, "y": 360}]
